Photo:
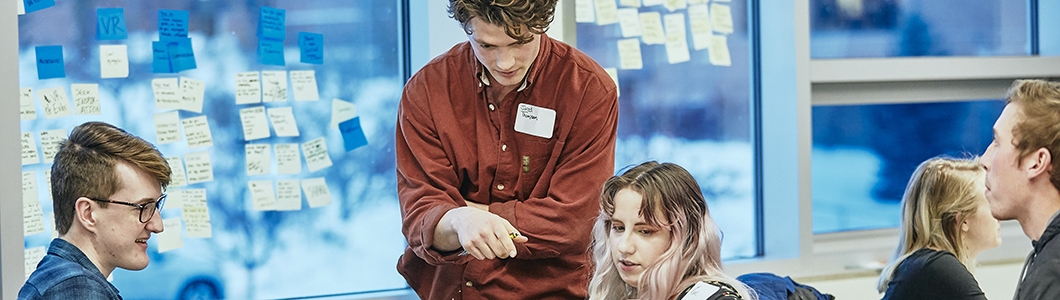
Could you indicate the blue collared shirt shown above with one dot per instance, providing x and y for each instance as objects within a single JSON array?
[{"x": 66, "y": 273}]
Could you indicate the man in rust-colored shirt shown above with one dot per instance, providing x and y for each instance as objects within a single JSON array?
[{"x": 502, "y": 144}]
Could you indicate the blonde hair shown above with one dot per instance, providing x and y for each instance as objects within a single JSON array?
[
  {"x": 1039, "y": 102},
  {"x": 671, "y": 199},
  {"x": 941, "y": 193}
]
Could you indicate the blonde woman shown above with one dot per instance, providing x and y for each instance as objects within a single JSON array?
[
  {"x": 946, "y": 222},
  {"x": 655, "y": 240}
]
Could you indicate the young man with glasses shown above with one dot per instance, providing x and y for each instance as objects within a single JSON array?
[{"x": 107, "y": 189}]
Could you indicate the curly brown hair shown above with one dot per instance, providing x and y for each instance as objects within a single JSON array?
[
  {"x": 513, "y": 15},
  {"x": 1039, "y": 102}
]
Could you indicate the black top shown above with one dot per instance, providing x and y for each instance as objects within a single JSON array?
[
  {"x": 1042, "y": 279},
  {"x": 710, "y": 290},
  {"x": 930, "y": 274}
]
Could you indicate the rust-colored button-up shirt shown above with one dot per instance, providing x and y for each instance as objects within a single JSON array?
[{"x": 453, "y": 145}]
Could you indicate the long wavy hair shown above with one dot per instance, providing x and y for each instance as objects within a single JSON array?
[
  {"x": 671, "y": 199},
  {"x": 941, "y": 193}
]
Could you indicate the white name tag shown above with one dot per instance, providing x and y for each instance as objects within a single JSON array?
[
  {"x": 701, "y": 291},
  {"x": 536, "y": 121}
]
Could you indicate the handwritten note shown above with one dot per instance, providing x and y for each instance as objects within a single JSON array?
[
  {"x": 352, "y": 134},
  {"x": 255, "y": 125},
  {"x": 719, "y": 51},
  {"x": 288, "y": 195},
  {"x": 167, "y": 93},
  {"x": 248, "y": 87},
  {"x": 259, "y": 159},
  {"x": 199, "y": 167},
  {"x": 54, "y": 102},
  {"x": 32, "y": 216},
  {"x": 191, "y": 94},
  {"x": 274, "y": 86},
  {"x": 585, "y": 11},
  {"x": 29, "y": 149},
  {"x": 167, "y": 127},
  {"x": 113, "y": 61},
  {"x": 305, "y": 85},
  {"x": 629, "y": 53},
  {"x": 49, "y": 143},
  {"x": 629, "y": 21},
  {"x": 702, "y": 33},
  {"x": 341, "y": 111},
  {"x": 311, "y": 46},
  {"x": 177, "y": 176},
  {"x": 172, "y": 237},
  {"x": 34, "y": 255},
  {"x": 181, "y": 54},
  {"x": 272, "y": 23},
  {"x": 197, "y": 131},
  {"x": 86, "y": 98},
  {"x": 27, "y": 108},
  {"x": 721, "y": 18},
  {"x": 673, "y": 5},
  {"x": 196, "y": 213},
  {"x": 288, "y": 159},
  {"x": 160, "y": 57},
  {"x": 653, "y": 2},
  {"x": 283, "y": 121},
  {"x": 110, "y": 24},
  {"x": 676, "y": 40},
  {"x": 172, "y": 24},
  {"x": 316, "y": 154},
  {"x": 633, "y": 3},
  {"x": 652, "y": 28},
  {"x": 690, "y": 2},
  {"x": 262, "y": 196},
  {"x": 606, "y": 12},
  {"x": 316, "y": 192},
  {"x": 270, "y": 52},
  {"x": 174, "y": 196},
  {"x": 50, "y": 62}
]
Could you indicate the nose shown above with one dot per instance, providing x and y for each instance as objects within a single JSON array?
[
  {"x": 988, "y": 157},
  {"x": 505, "y": 59},
  {"x": 623, "y": 244},
  {"x": 155, "y": 223}
]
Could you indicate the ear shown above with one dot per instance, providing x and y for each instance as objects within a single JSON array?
[
  {"x": 963, "y": 222},
  {"x": 1038, "y": 162},
  {"x": 85, "y": 213}
]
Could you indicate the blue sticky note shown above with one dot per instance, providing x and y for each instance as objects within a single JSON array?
[
  {"x": 181, "y": 56},
  {"x": 35, "y": 5},
  {"x": 312, "y": 47},
  {"x": 172, "y": 24},
  {"x": 352, "y": 134},
  {"x": 110, "y": 24},
  {"x": 272, "y": 23},
  {"x": 270, "y": 52},
  {"x": 160, "y": 62},
  {"x": 50, "y": 62}
]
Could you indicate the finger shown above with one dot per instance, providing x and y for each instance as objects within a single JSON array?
[{"x": 513, "y": 237}]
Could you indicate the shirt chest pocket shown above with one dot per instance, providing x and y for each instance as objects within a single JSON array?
[{"x": 537, "y": 162}]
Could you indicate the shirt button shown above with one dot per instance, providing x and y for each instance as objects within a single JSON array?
[
  {"x": 504, "y": 147},
  {"x": 500, "y": 187},
  {"x": 468, "y": 283},
  {"x": 491, "y": 107}
]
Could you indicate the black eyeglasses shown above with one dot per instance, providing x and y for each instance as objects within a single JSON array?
[{"x": 147, "y": 210}]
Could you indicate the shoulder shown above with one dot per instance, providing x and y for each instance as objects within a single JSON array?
[
  {"x": 565, "y": 58},
  {"x": 710, "y": 290},
  {"x": 79, "y": 287},
  {"x": 56, "y": 274}
]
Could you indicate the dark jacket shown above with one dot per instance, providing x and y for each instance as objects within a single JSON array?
[
  {"x": 66, "y": 273},
  {"x": 1042, "y": 275}
]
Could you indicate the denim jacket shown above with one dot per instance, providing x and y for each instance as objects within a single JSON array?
[{"x": 66, "y": 273}]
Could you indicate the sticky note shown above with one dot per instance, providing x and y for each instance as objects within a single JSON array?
[
  {"x": 54, "y": 102},
  {"x": 259, "y": 159},
  {"x": 34, "y": 255},
  {"x": 673, "y": 5},
  {"x": 86, "y": 98},
  {"x": 48, "y": 185},
  {"x": 29, "y": 149},
  {"x": 21, "y": 11},
  {"x": 172, "y": 235},
  {"x": 248, "y": 87},
  {"x": 316, "y": 192},
  {"x": 311, "y": 46},
  {"x": 283, "y": 122},
  {"x": 199, "y": 167},
  {"x": 274, "y": 86},
  {"x": 653, "y": 2},
  {"x": 160, "y": 58},
  {"x": 341, "y": 111},
  {"x": 50, "y": 62},
  {"x": 606, "y": 12},
  {"x": 262, "y": 196},
  {"x": 32, "y": 216},
  {"x": 652, "y": 28},
  {"x": 270, "y": 52},
  {"x": 191, "y": 94},
  {"x": 632, "y": 3},
  {"x": 614, "y": 76},
  {"x": 172, "y": 24},
  {"x": 316, "y": 154},
  {"x": 177, "y": 175},
  {"x": 110, "y": 24},
  {"x": 113, "y": 61},
  {"x": 690, "y": 2},
  {"x": 305, "y": 85},
  {"x": 255, "y": 125},
  {"x": 167, "y": 93},
  {"x": 629, "y": 54},
  {"x": 49, "y": 143},
  {"x": 288, "y": 159},
  {"x": 196, "y": 213},
  {"x": 702, "y": 33},
  {"x": 181, "y": 55},
  {"x": 174, "y": 196},
  {"x": 584, "y": 11},
  {"x": 676, "y": 40},
  {"x": 27, "y": 108},
  {"x": 197, "y": 131},
  {"x": 629, "y": 21},
  {"x": 352, "y": 134},
  {"x": 288, "y": 194},
  {"x": 51, "y": 220},
  {"x": 272, "y": 23},
  {"x": 35, "y": 5},
  {"x": 719, "y": 51},
  {"x": 167, "y": 127},
  {"x": 721, "y": 18}
]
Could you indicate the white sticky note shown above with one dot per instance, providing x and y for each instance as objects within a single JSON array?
[
  {"x": 288, "y": 195},
  {"x": 288, "y": 159},
  {"x": 690, "y": 2},
  {"x": 652, "y": 2},
  {"x": 259, "y": 159},
  {"x": 86, "y": 98},
  {"x": 34, "y": 255},
  {"x": 282, "y": 119},
  {"x": 54, "y": 102},
  {"x": 631, "y": 3},
  {"x": 113, "y": 61},
  {"x": 673, "y": 5},
  {"x": 174, "y": 197},
  {"x": 27, "y": 108},
  {"x": 614, "y": 76},
  {"x": 262, "y": 196},
  {"x": 629, "y": 21},
  {"x": 584, "y": 11},
  {"x": 721, "y": 18},
  {"x": 21, "y": 11},
  {"x": 316, "y": 192},
  {"x": 196, "y": 213},
  {"x": 167, "y": 127},
  {"x": 48, "y": 187},
  {"x": 316, "y": 154},
  {"x": 341, "y": 111},
  {"x": 305, "y": 85},
  {"x": 172, "y": 235},
  {"x": 49, "y": 143},
  {"x": 199, "y": 167},
  {"x": 652, "y": 28},
  {"x": 248, "y": 87},
  {"x": 719, "y": 51},
  {"x": 29, "y": 149},
  {"x": 606, "y": 12},
  {"x": 177, "y": 176},
  {"x": 191, "y": 94},
  {"x": 255, "y": 125},
  {"x": 32, "y": 216},
  {"x": 676, "y": 40},
  {"x": 702, "y": 34},
  {"x": 629, "y": 54},
  {"x": 197, "y": 131},
  {"x": 274, "y": 86},
  {"x": 51, "y": 220},
  {"x": 167, "y": 93}
]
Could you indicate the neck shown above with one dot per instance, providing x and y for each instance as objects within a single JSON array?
[
  {"x": 1041, "y": 209},
  {"x": 87, "y": 246}
]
